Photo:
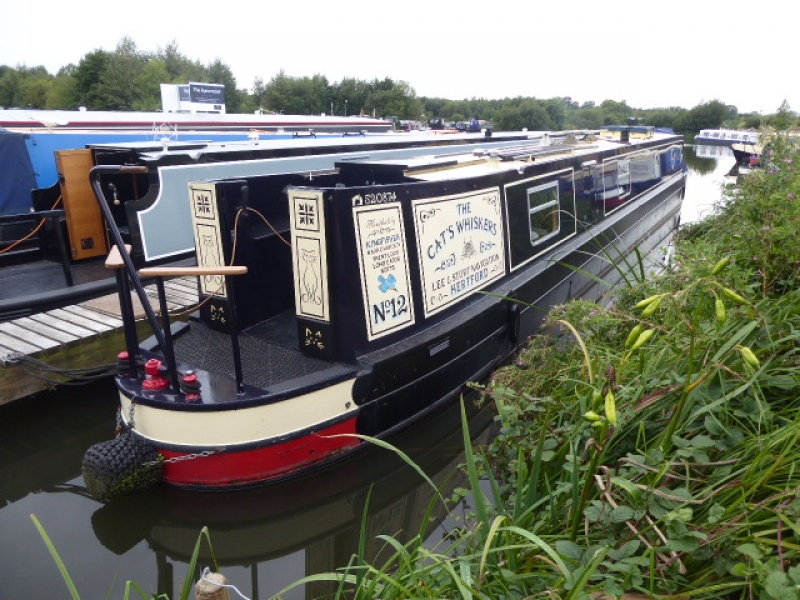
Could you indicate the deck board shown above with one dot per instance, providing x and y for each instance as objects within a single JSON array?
[
  {"x": 180, "y": 292},
  {"x": 27, "y": 335},
  {"x": 53, "y": 333},
  {"x": 94, "y": 315},
  {"x": 11, "y": 344},
  {"x": 66, "y": 327},
  {"x": 82, "y": 321}
]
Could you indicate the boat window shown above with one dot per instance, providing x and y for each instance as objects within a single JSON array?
[{"x": 543, "y": 213}]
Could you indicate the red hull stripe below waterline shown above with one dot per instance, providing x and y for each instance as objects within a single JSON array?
[{"x": 257, "y": 465}]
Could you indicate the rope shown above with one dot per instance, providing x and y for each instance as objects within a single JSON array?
[
  {"x": 263, "y": 218},
  {"x": 32, "y": 233},
  {"x": 38, "y": 370},
  {"x": 235, "y": 245},
  {"x": 199, "y": 305},
  {"x": 206, "y": 571}
]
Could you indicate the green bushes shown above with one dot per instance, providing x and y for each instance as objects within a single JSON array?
[{"x": 692, "y": 484}]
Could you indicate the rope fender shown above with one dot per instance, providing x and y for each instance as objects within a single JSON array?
[{"x": 120, "y": 466}]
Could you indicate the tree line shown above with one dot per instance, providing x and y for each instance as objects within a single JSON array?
[{"x": 129, "y": 79}]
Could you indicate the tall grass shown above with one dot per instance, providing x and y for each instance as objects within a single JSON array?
[{"x": 130, "y": 586}]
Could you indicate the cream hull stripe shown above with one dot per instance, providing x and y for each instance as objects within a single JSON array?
[{"x": 243, "y": 426}]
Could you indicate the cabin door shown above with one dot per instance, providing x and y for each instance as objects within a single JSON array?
[{"x": 87, "y": 233}]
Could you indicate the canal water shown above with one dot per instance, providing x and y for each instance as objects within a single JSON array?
[
  {"x": 708, "y": 173},
  {"x": 262, "y": 539}
]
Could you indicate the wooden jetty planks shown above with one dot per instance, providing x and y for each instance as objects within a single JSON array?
[
  {"x": 9, "y": 343},
  {"x": 94, "y": 316},
  {"x": 28, "y": 335},
  {"x": 78, "y": 336},
  {"x": 63, "y": 327},
  {"x": 180, "y": 291},
  {"x": 45, "y": 329}
]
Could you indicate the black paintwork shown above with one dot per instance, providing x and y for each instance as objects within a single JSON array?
[{"x": 402, "y": 375}]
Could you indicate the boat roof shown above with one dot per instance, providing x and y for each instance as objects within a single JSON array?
[
  {"x": 484, "y": 161},
  {"x": 54, "y": 119},
  {"x": 728, "y": 132},
  {"x": 153, "y": 151}
]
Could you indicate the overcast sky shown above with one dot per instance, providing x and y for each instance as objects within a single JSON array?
[{"x": 646, "y": 53}]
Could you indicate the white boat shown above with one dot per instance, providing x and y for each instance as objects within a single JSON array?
[{"x": 725, "y": 137}]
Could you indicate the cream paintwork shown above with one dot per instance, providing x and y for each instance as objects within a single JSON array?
[
  {"x": 207, "y": 239},
  {"x": 309, "y": 254},
  {"x": 469, "y": 167},
  {"x": 198, "y": 429},
  {"x": 456, "y": 260},
  {"x": 381, "y": 243}
]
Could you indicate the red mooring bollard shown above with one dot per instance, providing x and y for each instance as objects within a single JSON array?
[{"x": 153, "y": 379}]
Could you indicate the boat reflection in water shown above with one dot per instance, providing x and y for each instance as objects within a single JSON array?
[
  {"x": 315, "y": 520},
  {"x": 706, "y": 151},
  {"x": 264, "y": 539}
]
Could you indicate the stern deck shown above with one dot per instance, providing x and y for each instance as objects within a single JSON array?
[{"x": 269, "y": 352}]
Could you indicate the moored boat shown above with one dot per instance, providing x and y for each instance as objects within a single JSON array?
[
  {"x": 726, "y": 137},
  {"x": 29, "y": 139},
  {"x": 51, "y": 229},
  {"x": 354, "y": 301},
  {"x": 747, "y": 154},
  {"x": 63, "y": 261},
  {"x": 82, "y": 120}
]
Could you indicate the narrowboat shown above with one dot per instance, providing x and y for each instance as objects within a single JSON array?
[
  {"x": 747, "y": 155},
  {"x": 356, "y": 300},
  {"x": 725, "y": 137},
  {"x": 82, "y": 120}
]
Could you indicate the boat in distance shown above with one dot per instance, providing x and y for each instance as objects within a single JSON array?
[
  {"x": 725, "y": 137},
  {"x": 357, "y": 300},
  {"x": 82, "y": 120},
  {"x": 29, "y": 138}
]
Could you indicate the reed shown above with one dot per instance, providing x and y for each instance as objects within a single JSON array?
[{"x": 130, "y": 586}]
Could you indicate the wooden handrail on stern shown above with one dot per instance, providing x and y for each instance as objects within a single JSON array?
[
  {"x": 114, "y": 259},
  {"x": 191, "y": 271}
]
